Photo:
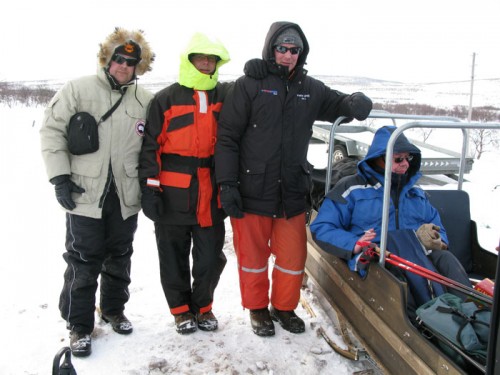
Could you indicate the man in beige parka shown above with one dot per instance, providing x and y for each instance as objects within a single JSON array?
[{"x": 99, "y": 190}]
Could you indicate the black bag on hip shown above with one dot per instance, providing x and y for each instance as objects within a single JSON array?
[{"x": 83, "y": 136}]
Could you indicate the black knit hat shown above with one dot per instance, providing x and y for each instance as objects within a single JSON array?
[
  {"x": 289, "y": 36},
  {"x": 130, "y": 48}
]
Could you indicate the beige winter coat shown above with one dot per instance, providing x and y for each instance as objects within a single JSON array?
[{"x": 120, "y": 140}]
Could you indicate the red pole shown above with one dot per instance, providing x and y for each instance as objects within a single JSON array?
[{"x": 433, "y": 276}]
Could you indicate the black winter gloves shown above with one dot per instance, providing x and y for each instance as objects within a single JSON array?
[
  {"x": 151, "y": 203},
  {"x": 230, "y": 200},
  {"x": 359, "y": 105},
  {"x": 256, "y": 68},
  {"x": 64, "y": 187}
]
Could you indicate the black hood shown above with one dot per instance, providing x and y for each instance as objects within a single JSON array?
[{"x": 276, "y": 29}]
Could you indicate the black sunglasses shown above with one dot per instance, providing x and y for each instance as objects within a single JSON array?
[
  {"x": 283, "y": 49},
  {"x": 400, "y": 159},
  {"x": 119, "y": 59}
]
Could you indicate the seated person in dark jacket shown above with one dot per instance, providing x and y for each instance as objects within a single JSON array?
[{"x": 351, "y": 214}]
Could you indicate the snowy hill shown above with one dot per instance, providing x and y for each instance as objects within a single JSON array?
[{"x": 444, "y": 94}]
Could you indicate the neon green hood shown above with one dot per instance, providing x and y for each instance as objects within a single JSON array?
[{"x": 191, "y": 77}]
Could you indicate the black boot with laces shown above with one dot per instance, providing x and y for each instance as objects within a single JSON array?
[
  {"x": 119, "y": 322},
  {"x": 80, "y": 344}
]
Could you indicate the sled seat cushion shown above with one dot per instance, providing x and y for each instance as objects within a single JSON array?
[{"x": 454, "y": 209}]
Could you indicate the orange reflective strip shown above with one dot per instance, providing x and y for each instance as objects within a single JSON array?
[
  {"x": 205, "y": 309},
  {"x": 179, "y": 309},
  {"x": 175, "y": 179}
]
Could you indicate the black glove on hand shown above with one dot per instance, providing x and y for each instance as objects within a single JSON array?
[
  {"x": 151, "y": 203},
  {"x": 230, "y": 200},
  {"x": 368, "y": 255},
  {"x": 64, "y": 187},
  {"x": 359, "y": 105},
  {"x": 256, "y": 68}
]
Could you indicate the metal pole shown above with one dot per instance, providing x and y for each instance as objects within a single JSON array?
[{"x": 469, "y": 118}]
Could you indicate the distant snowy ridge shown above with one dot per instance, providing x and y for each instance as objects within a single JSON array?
[{"x": 486, "y": 92}]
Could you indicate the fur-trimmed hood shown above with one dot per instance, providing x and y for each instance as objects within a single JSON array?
[{"x": 119, "y": 37}]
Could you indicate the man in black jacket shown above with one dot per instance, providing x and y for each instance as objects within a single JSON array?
[{"x": 261, "y": 166}]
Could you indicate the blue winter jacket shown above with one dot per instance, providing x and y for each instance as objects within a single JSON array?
[{"x": 355, "y": 203}]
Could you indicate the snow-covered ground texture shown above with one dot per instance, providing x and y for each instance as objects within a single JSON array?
[{"x": 31, "y": 276}]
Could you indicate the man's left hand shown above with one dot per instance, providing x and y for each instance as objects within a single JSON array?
[
  {"x": 360, "y": 105},
  {"x": 256, "y": 68}
]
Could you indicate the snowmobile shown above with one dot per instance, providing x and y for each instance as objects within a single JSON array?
[{"x": 375, "y": 306}]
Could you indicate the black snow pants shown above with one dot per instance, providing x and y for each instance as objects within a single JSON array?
[
  {"x": 174, "y": 245},
  {"x": 96, "y": 247}
]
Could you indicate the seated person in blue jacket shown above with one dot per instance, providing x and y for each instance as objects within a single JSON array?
[{"x": 351, "y": 213}]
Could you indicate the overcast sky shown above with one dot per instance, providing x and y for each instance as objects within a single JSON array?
[{"x": 418, "y": 41}]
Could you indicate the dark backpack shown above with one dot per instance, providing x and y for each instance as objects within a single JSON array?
[
  {"x": 462, "y": 328},
  {"x": 342, "y": 168}
]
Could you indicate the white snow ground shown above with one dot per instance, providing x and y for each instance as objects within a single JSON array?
[{"x": 31, "y": 276}]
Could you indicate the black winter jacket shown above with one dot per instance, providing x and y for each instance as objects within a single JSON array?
[{"x": 264, "y": 132}]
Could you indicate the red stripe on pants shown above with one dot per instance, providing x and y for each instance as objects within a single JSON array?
[
  {"x": 205, "y": 192},
  {"x": 255, "y": 238}
]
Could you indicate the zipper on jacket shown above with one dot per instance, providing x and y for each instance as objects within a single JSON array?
[
  {"x": 397, "y": 194},
  {"x": 109, "y": 182}
]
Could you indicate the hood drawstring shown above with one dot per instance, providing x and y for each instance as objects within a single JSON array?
[
  {"x": 123, "y": 87},
  {"x": 135, "y": 92}
]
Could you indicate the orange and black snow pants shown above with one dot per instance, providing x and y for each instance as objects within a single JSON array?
[{"x": 255, "y": 238}]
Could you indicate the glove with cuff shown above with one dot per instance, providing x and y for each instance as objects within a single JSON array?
[
  {"x": 428, "y": 235},
  {"x": 359, "y": 105},
  {"x": 230, "y": 200},
  {"x": 64, "y": 187},
  {"x": 151, "y": 202}
]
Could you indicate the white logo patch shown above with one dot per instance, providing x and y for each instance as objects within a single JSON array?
[{"x": 139, "y": 127}]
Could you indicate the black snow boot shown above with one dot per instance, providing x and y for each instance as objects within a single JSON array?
[
  {"x": 288, "y": 320},
  {"x": 185, "y": 323},
  {"x": 207, "y": 321},
  {"x": 119, "y": 322},
  {"x": 80, "y": 344},
  {"x": 262, "y": 325}
]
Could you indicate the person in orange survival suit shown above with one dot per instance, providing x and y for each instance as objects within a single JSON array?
[
  {"x": 179, "y": 194},
  {"x": 261, "y": 165}
]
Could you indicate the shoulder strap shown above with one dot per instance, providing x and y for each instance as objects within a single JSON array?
[{"x": 112, "y": 109}]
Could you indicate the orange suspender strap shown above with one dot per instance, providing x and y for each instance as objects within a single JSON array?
[{"x": 205, "y": 191}]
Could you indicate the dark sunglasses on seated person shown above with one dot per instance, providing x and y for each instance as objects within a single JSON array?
[
  {"x": 119, "y": 59},
  {"x": 283, "y": 49},
  {"x": 401, "y": 158}
]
